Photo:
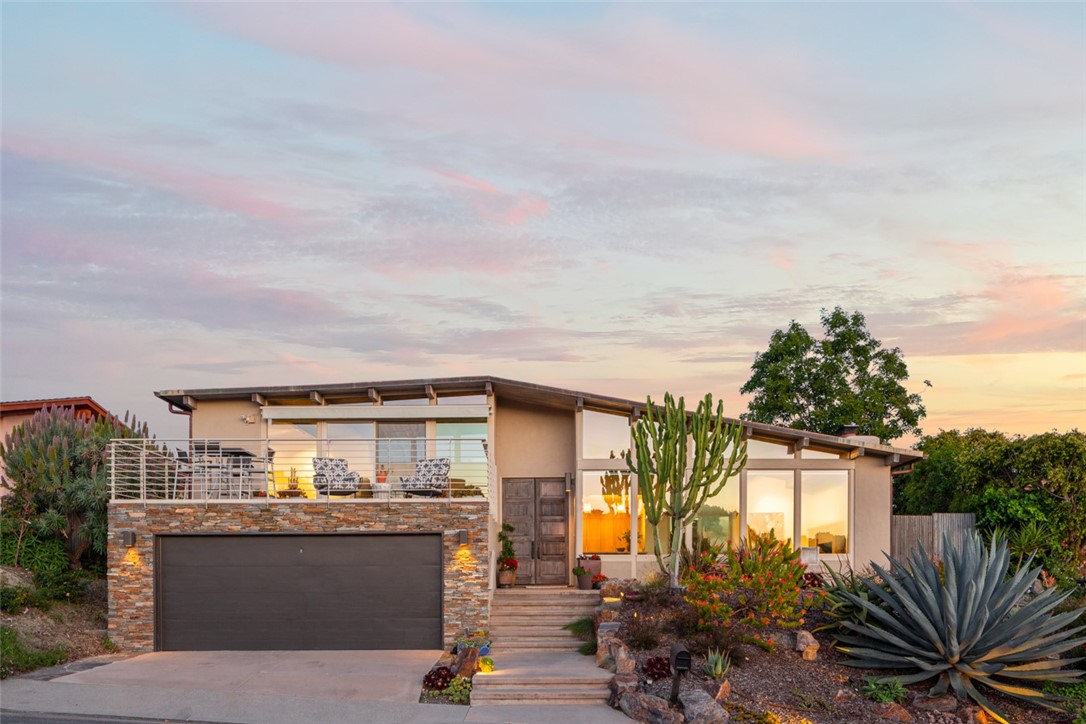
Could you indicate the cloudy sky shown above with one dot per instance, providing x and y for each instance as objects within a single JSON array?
[{"x": 624, "y": 199}]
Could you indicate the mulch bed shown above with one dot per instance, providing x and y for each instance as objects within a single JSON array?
[{"x": 794, "y": 689}]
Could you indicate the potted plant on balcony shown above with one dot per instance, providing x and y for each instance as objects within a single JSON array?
[
  {"x": 382, "y": 474},
  {"x": 507, "y": 562}
]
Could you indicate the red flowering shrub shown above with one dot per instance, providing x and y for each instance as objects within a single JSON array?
[
  {"x": 507, "y": 564},
  {"x": 756, "y": 586},
  {"x": 599, "y": 578}
]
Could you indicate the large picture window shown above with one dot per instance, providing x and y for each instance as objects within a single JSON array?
[
  {"x": 605, "y": 512},
  {"x": 771, "y": 502},
  {"x": 824, "y": 510},
  {"x": 718, "y": 519}
]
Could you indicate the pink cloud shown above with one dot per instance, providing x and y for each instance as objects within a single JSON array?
[
  {"x": 227, "y": 193},
  {"x": 783, "y": 258},
  {"x": 1028, "y": 303},
  {"x": 494, "y": 205}
]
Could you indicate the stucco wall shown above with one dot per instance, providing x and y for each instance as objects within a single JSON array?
[
  {"x": 222, "y": 421},
  {"x": 872, "y": 511},
  {"x": 534, "y": 442},
  {"x": 131, "y": 571}
]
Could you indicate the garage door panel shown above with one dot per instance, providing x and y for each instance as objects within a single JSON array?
[{"x": 271, "y": 592}]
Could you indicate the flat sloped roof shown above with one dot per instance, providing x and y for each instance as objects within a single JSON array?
[{"x": 527, "y": 392}]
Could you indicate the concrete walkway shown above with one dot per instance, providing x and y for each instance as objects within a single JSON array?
[{"x": 274, "y": 687}]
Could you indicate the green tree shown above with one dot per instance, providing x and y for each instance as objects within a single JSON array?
[
  {"x": 56, "y": 470},
  {"x": 956, "y": 465},
  {"x": 673, "y": 491},
  {"x": 821, "y": 385}
]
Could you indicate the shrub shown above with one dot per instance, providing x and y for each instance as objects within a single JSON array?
[
  {"x": 14, "y": 599},
  {"x": 641, "y": 635},
  {"x": 965, "y": 630},
  {"x": 437, "y": 679},
  {"x": 40, "y": 556},
  {"x": 657, "y": 668},
  {"x": 582, "y": 628},
  {"x": 14, "y": 658},
  {"x": 885, "y": 690},
  {"x": 588, "y": 648},
  {"x": 486, "y": 664},
  {"x": 758, "y": 585}
]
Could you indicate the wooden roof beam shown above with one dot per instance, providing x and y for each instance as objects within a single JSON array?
[
  {"x": 374, "y": 395},
  {"x": 189, "y": 402},
  {"x": 259, "y": 399},
  {"x": 317, "y": 398}
]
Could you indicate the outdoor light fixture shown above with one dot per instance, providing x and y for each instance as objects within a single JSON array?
[
  {"x": 463, "y": 535},
  {"x": 680, "y": 664},
  {"x": 128, "y": 537}
]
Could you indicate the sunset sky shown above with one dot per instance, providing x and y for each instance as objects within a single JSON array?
[{"x": 624, "y": 199}]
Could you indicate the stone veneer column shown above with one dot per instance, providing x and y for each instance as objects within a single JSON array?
[{"x": 131, "y": 571}]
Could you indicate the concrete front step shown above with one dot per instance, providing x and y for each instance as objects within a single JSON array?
[{"x": 530, "y": 694}]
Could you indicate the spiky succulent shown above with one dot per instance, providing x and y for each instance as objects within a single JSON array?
[
  {"x": 437, "y": 679},
  {"x": 975, "y": 627},
  {"x": 717, "y": 663}
]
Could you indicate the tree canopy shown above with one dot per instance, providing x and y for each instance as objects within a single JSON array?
[{"x": 821, "y": 385}]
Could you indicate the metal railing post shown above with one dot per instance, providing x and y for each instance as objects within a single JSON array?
[
  {"x": 113, "y": 470},
  {"x": 143, "y": 473}
]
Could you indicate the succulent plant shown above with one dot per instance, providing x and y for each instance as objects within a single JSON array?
[
  {"x": 972, "y": 628},
  {"x": 656, "y": 668},
  {"x": 437, "y": 679},
  {"x": 717, "y": 663}
]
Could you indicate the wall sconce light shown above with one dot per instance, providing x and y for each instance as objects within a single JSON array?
[
  {"x": 128, "y": 538},
  {"x": 462, "y": 535},
  {"x": 249, "y": 419}
]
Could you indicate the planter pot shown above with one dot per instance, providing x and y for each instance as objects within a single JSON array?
[
  {"x": 585, "y": 582},
  {"x": 506, "y": 579},
  {"x": 593, "y": 567}
]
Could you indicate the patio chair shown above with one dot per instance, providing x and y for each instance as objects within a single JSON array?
[
  {"x": 331, "y": 477},
  {"x": 431, "y": 478}
]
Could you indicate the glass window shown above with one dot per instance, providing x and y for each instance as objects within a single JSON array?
[
  {"x": 810, "y": 453},
  {"x": 766, "y": 449},
  {"x": 604, "y": 436},
  {"x": 718, "y": 519},
  {"x": 409, "y": 401},
  {"x": 354, "y": 442},
  {"x": 771, "y": 502},
  {"x": 462, "y": 400},
  {"x": 295, "y": 445},
  {"x": 824, "y": 510},
  {"x": 464, "y": 443},
  {"x": 399, "y": 446},
  {"x": 605, "y": 512}
]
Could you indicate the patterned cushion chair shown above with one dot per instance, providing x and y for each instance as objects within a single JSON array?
[
  {"x": 431, "y": 478},
  {"x": 331, "y": 477}
]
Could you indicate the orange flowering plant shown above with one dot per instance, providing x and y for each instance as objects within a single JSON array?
[{"x": 755, "y": 586}]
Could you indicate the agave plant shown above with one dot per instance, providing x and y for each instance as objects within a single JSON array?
[
  {"x": 972, "y": 628},
  {"x": 717, "y": 664}
]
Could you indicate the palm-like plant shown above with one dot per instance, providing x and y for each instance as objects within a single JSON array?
[{"x": 972, "y": 628}]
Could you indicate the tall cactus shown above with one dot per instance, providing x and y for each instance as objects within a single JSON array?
[{"x": 659, "y": 458}]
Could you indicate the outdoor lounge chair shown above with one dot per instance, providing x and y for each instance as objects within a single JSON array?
[
  {"x": 431, "y": 478},
  {"x": 331, "y": 477}
]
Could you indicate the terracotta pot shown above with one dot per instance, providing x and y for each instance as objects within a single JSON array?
[{"x": 506, "y": 578}]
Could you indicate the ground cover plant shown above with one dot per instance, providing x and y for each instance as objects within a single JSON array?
[{"x": 15, "y": 657}]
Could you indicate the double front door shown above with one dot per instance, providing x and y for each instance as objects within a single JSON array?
[{"x": 538, "y": 509}]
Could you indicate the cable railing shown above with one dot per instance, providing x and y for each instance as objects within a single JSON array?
[{"x": 299, "y": 469}]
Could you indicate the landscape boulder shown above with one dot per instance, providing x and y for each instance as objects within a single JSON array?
[
  {"x": 944, "y": 703},
  {"x": 719, "y": 690},
  {"x": 648, "y": 709},
  {"x": 700, "y": 708},
  {"x": 892, "y": 711},
  {"x": 807, "y": 645},
  {"x": 622, "y": 684}
]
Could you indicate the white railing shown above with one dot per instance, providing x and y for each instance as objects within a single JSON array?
[{"x": 296, "y": 469}]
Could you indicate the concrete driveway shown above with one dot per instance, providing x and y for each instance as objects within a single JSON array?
[{"x": 392, "y": 676}]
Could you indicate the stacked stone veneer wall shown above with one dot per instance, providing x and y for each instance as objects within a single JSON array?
[{"x": 132, "y": 570}]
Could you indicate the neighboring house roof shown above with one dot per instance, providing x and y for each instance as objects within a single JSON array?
[
  {"x": 81, "y": 404},
  {"x": 543, "y": 395}
]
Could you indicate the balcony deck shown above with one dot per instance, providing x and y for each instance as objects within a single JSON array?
[{"x": 296, "y": 470}]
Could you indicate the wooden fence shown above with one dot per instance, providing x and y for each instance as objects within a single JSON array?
[{"x": 908, "y": 530}]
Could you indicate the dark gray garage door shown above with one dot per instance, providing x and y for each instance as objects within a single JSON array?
[{"x": 281, "y": 592}]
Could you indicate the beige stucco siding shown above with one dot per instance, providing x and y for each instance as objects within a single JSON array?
[
  {"x": 872, "y": 510},
  {"x": 222, "y": 421},
  {"x": 533, "y": 442}
]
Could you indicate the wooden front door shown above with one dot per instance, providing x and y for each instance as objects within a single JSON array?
[{"x": 538, "y": 509}]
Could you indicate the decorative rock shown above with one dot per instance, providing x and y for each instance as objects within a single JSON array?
[
  {"x": 973, "y": 715},
  {"x": 894, "y": 712},
  {"x": 621, "y": 684},
  {"x": 467, "y": 661},
  {"x": 625, "y": 663},
  {"x": 845, "y": 695},
  {"x": 607, "y": 629},
  {"x": 806, "y": 643},
  {"x": 603, "y": 615},
  {"x": 944, "y": 703},
  {"x": 609, "y": 664},
  {"x": 648, "y": 709},
  {"x": 612, "y": 587},
  {"x": 700, "y": 708},
  {"x": 625, "y": 666},
  {"x": 719, "y": 690}
]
